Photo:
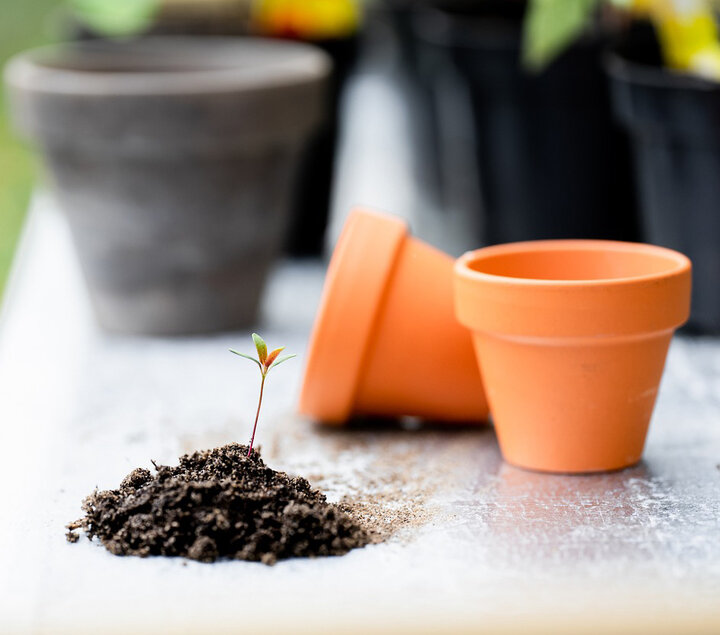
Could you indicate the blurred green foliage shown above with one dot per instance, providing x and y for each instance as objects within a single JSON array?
[
  {"x": 551, "y": 26},
  {"x": 23, "y": 24},
  {"x": 116, "y": 17}
]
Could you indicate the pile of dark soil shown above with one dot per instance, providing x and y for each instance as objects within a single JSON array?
[{"x": 218, "y": 504}]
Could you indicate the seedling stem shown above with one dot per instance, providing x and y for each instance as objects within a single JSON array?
[{"x": 265, "y": 361}]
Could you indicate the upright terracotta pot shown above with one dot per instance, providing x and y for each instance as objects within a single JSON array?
[
  {"x": 386, "y": 341},
  {"x": 571, "y": 337}
]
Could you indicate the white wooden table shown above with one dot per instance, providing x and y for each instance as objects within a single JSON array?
[{"x": 484, "y": 545}]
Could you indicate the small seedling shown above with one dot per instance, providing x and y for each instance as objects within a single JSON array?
[{"x": 265, "y": 361}]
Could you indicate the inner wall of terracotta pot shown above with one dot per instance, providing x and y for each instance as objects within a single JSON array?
[{"x": 574, "y": 264}]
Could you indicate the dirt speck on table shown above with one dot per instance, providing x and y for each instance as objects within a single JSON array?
[{"x": 393, "y": 479}]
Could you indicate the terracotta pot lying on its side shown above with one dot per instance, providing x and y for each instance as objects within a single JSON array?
[{"x": 386, "y": 341}]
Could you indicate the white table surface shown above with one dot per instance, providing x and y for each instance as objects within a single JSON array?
[{"x": 485, "y": 544}]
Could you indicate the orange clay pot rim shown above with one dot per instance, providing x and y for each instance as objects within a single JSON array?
[
  {"x": 366, "y": 232},
  {"x": 462, "y": 265}
]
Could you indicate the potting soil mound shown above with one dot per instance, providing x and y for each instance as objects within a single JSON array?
[{"x": 218, "y": 504}]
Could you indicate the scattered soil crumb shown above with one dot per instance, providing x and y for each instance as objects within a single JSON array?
[
  {"x": 72, "y": 536},
  {"x": 392, "y": 503},
  {"x": 392, "y": 481},
  {"x": 384, "y": 517},
  {"x": 217, "y": 504}
]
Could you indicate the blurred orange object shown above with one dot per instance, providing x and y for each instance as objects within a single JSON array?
[
  {"x": 307, "y": 19},
  {"x": 386, "y": 341},
  {"x": 571, "y": 337}
]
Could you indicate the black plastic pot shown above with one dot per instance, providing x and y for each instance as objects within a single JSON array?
[
  {"x": 438, "y": 122},
  {"x": 424, "y": 67},
  {"x": 445, "y": 113},
  {"x": 174, "y": 160},
  {"x": 311, "y": 205},
  {"x": 551, "y": 161},
  {"x": 675, "y": 124}
]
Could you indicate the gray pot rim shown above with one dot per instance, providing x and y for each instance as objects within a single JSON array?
[
  {"x": 166, "y": 65},
  {"x": 169, "y": 94}
]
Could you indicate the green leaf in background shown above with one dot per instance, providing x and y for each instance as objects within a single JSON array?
[
  {"x": 552, "y": 25},
  {"x": 115, "y": 18}
]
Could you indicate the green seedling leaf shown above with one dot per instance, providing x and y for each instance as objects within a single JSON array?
[
  {"x": 252, "y": 359},
  {"x": 281, "y": 360},
  {"x": 261, "y": 347},
  {"x": 116, "y": 18},
  {"x": 273, "y": 356},
  {"x": 552, "y": 25}
]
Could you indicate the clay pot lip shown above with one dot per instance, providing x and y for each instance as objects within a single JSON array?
[
  {"x": 357, "y": 277},
  {"x": 463, "y": 265},
  {"x": 167, "y": 65}
]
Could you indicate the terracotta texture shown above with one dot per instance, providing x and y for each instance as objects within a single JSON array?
[
  {"x": 571, "y": 337},
  {"x": 386, "y": 341}
]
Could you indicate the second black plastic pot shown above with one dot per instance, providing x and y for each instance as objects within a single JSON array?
[
  {"x": 552, "y": 163},
  {"x": 675, "y": 124}
]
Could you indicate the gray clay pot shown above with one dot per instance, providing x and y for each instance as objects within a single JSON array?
[{"x": 174, "y": 161}]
